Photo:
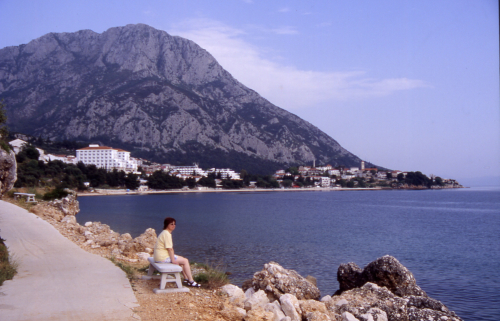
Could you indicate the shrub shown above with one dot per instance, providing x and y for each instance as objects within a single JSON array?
[
  {"x": 212, "y": 276},
  {"x": 8, "y": 268},
  {"x": 55, "y": 194}
]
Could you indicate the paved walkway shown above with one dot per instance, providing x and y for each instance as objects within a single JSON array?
[{"x": 56, "y": 279}]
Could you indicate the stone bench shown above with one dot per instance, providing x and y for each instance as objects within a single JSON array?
[
  {"x": 168, "y": 273},
  {"x": 30, "y": 198}
]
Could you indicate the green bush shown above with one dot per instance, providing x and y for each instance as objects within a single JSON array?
[
  {"x": 212, "y": 275},
  {"x": 55, "y": 194},
  {"x": 8, "y": 268}
]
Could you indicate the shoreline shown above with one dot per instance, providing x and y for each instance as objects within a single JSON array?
[
  {"x": 106, "y": 192},
  {"x": 102, "y": 192}
]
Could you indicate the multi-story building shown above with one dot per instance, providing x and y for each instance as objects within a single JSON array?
[
  {"x": 225, "y": 173},
  {"x": 187, "y": 171},
  {"x": 106, "y": 157}
]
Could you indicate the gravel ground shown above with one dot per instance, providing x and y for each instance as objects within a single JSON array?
[{"x": 198, "y": 304}]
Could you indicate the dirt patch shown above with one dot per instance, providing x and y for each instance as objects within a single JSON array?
[{"x": 198, "y": 304}]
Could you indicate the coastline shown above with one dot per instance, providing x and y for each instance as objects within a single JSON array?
[{"x": 103, "y": 192}]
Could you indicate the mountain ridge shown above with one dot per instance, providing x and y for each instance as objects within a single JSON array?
[{"x": 160, "y": 96}]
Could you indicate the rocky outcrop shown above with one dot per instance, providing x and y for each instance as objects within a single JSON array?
[
  {"x": 142, "y": 89},
  {"x": 8, "y": 171},
  {"x": 371, "y": 302},
  {"x": 276, "y": 281},
  {"x": 95, "y": 236},
  {"x": 386, "y": 271},
  {"x": 366, "y": 302}
]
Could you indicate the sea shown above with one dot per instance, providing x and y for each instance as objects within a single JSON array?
[{"x": 449, "y": 239}]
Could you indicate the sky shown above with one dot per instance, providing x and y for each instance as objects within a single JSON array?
[{"x": 407, "y": 85}]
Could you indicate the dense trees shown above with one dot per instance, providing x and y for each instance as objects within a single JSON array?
[{"x": 32, "y": 172}]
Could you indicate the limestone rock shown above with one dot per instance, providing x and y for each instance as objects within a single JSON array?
[
  {"x": 258, "y": 299},
  {"x": 275, "y": 309},
  {"x": 69, "y": 219},
  {"x": 140, "y": 243},
  {"x": 230, "y": 312},
  {"x": 291, "y": 307},
  {"x": 259, "y": 314},
  {"x": 143, "y": 256},
  {"x": 8, "y": 171},
  {"x": 385, "y": 271},
  {"x": 372, "y": 302},
  {"x": 312, "y": 279},
  {"x": 308, "y": 306},
  {"x": 346, "y": 316},
  {"x": 276, "y": 280},
  {"x": 235, "y": 294},
  {"x": 317, "y": 316}
]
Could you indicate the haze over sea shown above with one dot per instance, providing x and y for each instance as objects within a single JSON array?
[{"x": 449, "y": 239}]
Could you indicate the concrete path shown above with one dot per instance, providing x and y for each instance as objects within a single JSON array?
[{"x": 56, "y": 279}]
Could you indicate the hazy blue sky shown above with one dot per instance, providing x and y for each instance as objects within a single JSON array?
[{"x": 409, "y": 85}]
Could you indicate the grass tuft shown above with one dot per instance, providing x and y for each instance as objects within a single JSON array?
[
  {"x": 8, "y": 268},
  {"x": 211, "y": 275},
  {"x": 127, "y": 268}
]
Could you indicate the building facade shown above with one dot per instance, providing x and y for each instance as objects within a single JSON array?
[{"x": 106, "y": 157}]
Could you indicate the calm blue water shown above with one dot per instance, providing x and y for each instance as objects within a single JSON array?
[{"x": 449, "y": 239}]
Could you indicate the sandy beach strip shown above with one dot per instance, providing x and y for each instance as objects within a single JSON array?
[{"x": 103, "y": 192}]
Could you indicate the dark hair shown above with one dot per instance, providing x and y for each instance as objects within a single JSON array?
[{"x": 167, "y": 221}]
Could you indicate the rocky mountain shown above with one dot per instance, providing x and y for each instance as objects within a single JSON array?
[{"x": 159, "y": 96}]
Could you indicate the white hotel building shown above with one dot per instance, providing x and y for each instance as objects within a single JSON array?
[{"x": 106, "y": 157}]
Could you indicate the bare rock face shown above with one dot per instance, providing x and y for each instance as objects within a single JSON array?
[
  {"x": 385, "y": 271},
  {"x": 144, "y": 89},
  {"x": 8, "y": 171},
  {"x": 276, "y": 281},
  {"x": 372, "y": 302}
]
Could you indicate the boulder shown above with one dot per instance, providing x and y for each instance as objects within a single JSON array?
[
  {"x": 140, "y": 243},
  {"x": 230, "y": 312},
  {"x": 143, "y": 256},
  {"x": 258, "y": 299},
  {"x": 385, "y": 271},
  {"x": 235, "y": 294},
  {"x": 275, "y": 309},
  {"x": 349, "y": 276},
  {"x": 308, "y": 306},
  {"x": 317, "y": 316},
  {"x": 372, "y": 302},
  {"x": 291, "y": 307},
  {"x": 259, "y": 314},
  {"x": 67, "y": 205},
  {"x": 8, "y": 171},
  {"x": 276, "y": 281}
]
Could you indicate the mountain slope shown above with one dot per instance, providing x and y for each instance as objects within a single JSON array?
[{"x": 160, "y": 96}]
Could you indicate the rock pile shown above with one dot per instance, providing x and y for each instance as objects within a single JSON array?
[
  {"x": 395, "y": 297},
  {"x": 93, "y": 236}
]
